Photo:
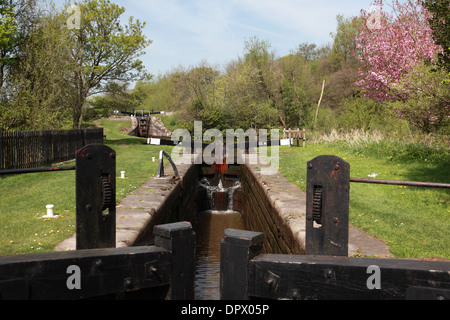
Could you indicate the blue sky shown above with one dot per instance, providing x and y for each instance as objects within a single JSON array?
[{"x": 187, "y": 32}]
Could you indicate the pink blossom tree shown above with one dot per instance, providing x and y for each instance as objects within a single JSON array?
[
  {"x": 392, "y": 48},
  {"x": 389, "y": 45}
]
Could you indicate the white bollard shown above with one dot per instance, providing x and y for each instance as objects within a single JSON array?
[
  {"x": 122, "y": 174},
  {"x": 50, "y": 210},
  {"x": 153, "y": 159}
]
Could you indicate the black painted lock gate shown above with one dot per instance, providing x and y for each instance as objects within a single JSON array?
[
  {"x": 166, "y": 270},
  {"x": 326, "y": 271}
]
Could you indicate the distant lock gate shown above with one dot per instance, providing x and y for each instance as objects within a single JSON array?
[{"x": 166, "y": 270}]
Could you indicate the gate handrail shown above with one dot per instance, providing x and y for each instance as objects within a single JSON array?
[
  {"x": 402, "y": 183},
  {"x": 35, "y": 170}
]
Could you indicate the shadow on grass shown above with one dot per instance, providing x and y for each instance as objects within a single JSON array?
[
  {"x": 422, "y": 169},
  {"x": 437, "y": 173}
]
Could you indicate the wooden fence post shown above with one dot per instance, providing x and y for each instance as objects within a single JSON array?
[
  {"x": 236, "y": 249},
  {"x": 179, "y": 238}
]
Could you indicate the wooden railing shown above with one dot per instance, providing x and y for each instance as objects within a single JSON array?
[{"x": 295, "y": 135}]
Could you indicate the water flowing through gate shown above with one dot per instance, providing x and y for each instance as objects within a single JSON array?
[{"x": 219, "y": 209}]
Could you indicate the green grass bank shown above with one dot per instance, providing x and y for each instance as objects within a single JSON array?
[{"x": 24, "y": 197}]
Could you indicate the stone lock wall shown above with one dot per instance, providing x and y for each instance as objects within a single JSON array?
[
  {"x": 276, "y": 207},
  {"x": 178, "y": 202}
]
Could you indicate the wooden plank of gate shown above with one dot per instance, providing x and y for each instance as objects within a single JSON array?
[
  {"x": 327, "y": 277},
  {"x": 47, "y": 276}
]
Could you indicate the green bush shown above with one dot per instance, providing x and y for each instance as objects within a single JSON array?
[
  {"x": 326, "y": 120},
  {"x": 361, "y": 113}
]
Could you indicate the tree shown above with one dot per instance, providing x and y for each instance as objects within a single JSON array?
[
  {"x": 117, "y": 97},
  {"x": 344, "y": 45},
  {"x": 340, "y": 66},
  {"x": 310, "y": 52},
  {"x": 39, "y": 88},
  {"x": 300, "y": 90},
  {"x": 439, "y": 22},
  {"x": 139, "y": 95},
  {"x": 267, "y": 100},
  {"x": 399, "y": 66},
  {"x": 341, "y": 85},
  {"x": 193, "y": 93},
  {"x": 17, "y": 19},
  {"x": 8, "y": 29},
  {"x": 157, "y": 94},
  {"x": 361, "y": 113},
  {"x": 104, "y": 51},
  {"x": 389, "y": 51},
  {"x": 256, "y": 51},
  {"x": 427, "y": 98}
]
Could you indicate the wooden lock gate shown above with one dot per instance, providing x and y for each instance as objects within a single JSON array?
[
  {"x": 325, "y": 271},
  {"x": 97, "y": 268}
]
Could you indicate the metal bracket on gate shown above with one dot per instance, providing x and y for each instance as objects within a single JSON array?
[
  {"x": 327, "y": 201},
  {"x": 96, "y": 197}
]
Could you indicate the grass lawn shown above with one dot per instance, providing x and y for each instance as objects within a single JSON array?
[
  {"x": 24, "y": 197},
  {"x": 413, "y": 221}
]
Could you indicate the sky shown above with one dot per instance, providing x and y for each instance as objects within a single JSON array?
[{"x": 188, "y": 32}]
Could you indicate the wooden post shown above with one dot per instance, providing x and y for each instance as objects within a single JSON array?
[
  {"x": 179, "y": 238},
  {"x": 236, "y": 249},
  {"x": 96, "y": 197},
  {"x": 318, "y": 105},
  {"x": 160, "y": 165},
  {"x": 327, "y": 206},
  {"x": 304, "y": 137}
]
